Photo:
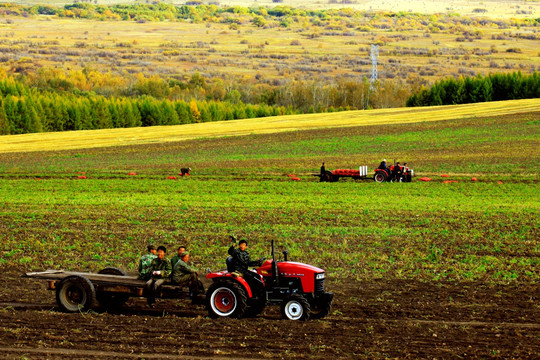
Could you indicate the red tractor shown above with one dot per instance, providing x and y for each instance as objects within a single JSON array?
[
  {"x": 298, "y": 288},
  {"x": 405, "y": 174}
]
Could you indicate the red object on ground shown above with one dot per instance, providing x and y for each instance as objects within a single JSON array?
[
  {"x": 424, "y": 179},
  {"x": 171, "y": 177},
  {"x": 81, "y": 177},
  {"x": 444, "y": 175},
  {"x": 132, "y": 174},
  {"x": 290, "y": 175},
  {"x": 500, "y": 182},
  {"x": 294, "y": 178},
  {"x": 473, "y": 179},
  {"x": 449, "y": 181}
]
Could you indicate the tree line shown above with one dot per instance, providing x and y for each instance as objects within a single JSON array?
[
  {"x": 465, "y": 90},
  {"x": 28, "y": 110}
]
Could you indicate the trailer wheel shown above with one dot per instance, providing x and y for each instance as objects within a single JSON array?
[
  {"x": 75, "y": 293},
  {"x": 379, "y": 177},
  {"x": 108, "y": 300},
  {"x": 296, "y": 307},
  {"x": 226, "y": 299}
]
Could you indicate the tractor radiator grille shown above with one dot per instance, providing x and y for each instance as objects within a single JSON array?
[{"x": 319, "y": 285}]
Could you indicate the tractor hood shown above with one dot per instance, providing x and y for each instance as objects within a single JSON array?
[{"x": 289, "y": 268}]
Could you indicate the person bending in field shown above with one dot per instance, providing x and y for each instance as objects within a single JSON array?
[
  {"x": 160, "y": 269},
  {"x": 240, "y": 262},
  {"x": 181, "y": 249},
  {"x": 184, "y": 171},
  {"x": 144, "y": 264},
  {"x": 183, "y": 274}
]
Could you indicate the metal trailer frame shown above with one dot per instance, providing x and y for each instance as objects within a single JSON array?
[
  {"x": 330, "y": 176},
  {"x": 79, "y": 291}
]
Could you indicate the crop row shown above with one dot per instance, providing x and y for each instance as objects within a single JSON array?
[{"x": 359, "y": 230}]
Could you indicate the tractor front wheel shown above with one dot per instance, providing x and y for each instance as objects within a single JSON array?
[
  {"x": 296, "y": 307},
  {"x": 226, "y": 299}
]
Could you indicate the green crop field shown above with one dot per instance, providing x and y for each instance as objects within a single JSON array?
[{"x": 486, "y": 230}]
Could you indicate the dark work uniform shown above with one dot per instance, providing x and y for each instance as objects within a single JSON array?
[
  {"x": 155, "y": 282},
  {"x": 241, "y": 263},
  {"x": 323, "y": 170}
]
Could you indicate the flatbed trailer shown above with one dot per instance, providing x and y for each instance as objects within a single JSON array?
[
  {"x": 111, "y": 287},
  {"x": 335, "y": 175}
]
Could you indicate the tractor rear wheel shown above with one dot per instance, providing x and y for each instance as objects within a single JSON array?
[
  {"x": 226, "y": 299},
  {"x": 379, "y": 177},
  {"x": 296, "y": 307},
  {"x": 75, "y": 293},
  {"x": 111, "y": 300}
]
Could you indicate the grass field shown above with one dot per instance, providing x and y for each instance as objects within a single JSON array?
[
  {"x": 133, "y": 136},
  {"x": 302, "y": 51},
  {"x": 482, "y": 230}
]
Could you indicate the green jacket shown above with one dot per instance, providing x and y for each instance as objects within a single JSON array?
[
  {"x": 144, "y": 265},
  {"x": 174, "y": 260},
  {"x": 160, "y": 265},
  {"x": 180, "y": 269}
]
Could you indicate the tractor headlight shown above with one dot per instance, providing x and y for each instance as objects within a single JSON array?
[{"x": 319, "y": 276}]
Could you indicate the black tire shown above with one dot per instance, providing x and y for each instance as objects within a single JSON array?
[
  {"x": 110, "y": 300},
  {"x": 75, "y": 293},
  {"x": 255, "y": 308},
  {"x": 296, "y": 307},
  {"x": 379, "y": 177},
  {"x": 226, "y": 299},
  {"x": 321, "y": 308}
]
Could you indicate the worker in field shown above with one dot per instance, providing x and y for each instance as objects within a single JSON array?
[
  {"x": 144, "y": 263},
  {"x": 160, "y": 269},
  {"x": 183, "y": 274},
  {"x": 397, "y": 172},
  {"x": 241, "y": 262},
  {"x": 323, "y": 169},
  {"x": 185, "y": 171},
  {"x": 181, "y": 249}
]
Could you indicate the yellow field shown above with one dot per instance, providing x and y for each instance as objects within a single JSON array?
[{"x": 132, "y": 136}]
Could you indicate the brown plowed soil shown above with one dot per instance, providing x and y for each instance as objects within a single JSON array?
[{"x": 375, "y": 319}]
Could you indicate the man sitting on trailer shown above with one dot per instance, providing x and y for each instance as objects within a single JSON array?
[
  {"x": 183, "y": 274},
  {"x": 241, "y": 262},
  {"x": 181, "y": 249},
  {"x": 144, "y": 264},
  {"x": 160, "y": 269}
]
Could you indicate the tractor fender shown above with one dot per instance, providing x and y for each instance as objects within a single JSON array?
[{"x": 225, "y": 276}]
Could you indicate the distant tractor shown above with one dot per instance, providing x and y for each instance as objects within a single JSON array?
[{"x": 381, "y": 175}]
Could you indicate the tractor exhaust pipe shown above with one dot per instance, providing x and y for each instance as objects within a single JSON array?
[{"x": 274, "y": 266}]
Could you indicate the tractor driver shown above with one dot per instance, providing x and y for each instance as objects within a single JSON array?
[
  {"x": 240, "y": 263},
  {"x": 382, "y": 165}
]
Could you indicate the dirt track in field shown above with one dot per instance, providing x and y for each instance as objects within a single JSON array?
[{"x": 376, "y": 319}]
